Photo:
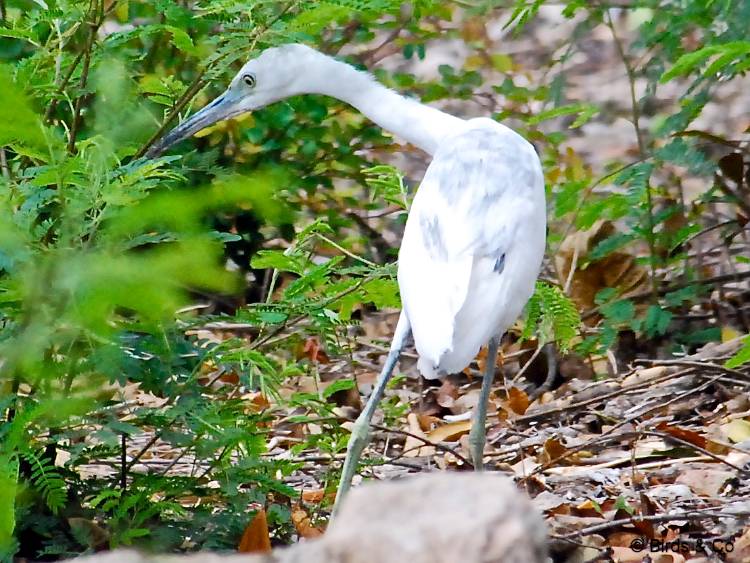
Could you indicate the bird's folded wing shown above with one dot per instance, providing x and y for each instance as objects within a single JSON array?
[{"x": 470, "y": 208}]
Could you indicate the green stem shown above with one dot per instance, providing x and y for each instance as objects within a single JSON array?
[{"x": 642, "y": 152}]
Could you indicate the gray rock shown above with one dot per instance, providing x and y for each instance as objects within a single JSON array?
[{"x": 430, "y": 518}]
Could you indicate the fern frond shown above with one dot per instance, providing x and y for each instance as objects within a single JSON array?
[
  {"x": 551, "y": 315},
  {"x": 47, "y": 481}
]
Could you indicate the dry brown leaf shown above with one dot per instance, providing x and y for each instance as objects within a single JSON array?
[
  {"x": 256, "y": 402},
  {"x": 547, "y": 501},
  {"x": 622, "y": 539},
  {"x": 737, "y": 431},
  {"x": 643, "y": 375},
  {"x": 684, "y": 434},
  {"x": 518, "y": 400},
  {"x": 553, "y": 449},
  {"x": 525, "y": 467},
  {"x": 414, "y": 447},
  {"x": 313, "y": 351},
  {"x": 628, "y": 555},
  {"x": 230, "y": 377},
  {"x": 427, "y": 422},
  {"x": 255, "y": 538},
  {"x": 588, "y": 508},
  {"x": 447, "y": 394},
  {"x": 481, "y": 359},
  {"x": 316, "y": 496},
  {"x": 449, "y": 431},
  {"x": 741, "y": 549},
  {"x": 303, "y": 525},
  {"x": 705, "y": 482},
  {"x": 618, "y": 269}
]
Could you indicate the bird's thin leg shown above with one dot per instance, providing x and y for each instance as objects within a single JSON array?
[
  {"x": 361, "y": 430},
  {"x": 477, "y": 433}
]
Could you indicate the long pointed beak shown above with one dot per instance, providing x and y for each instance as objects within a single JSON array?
[{"x": 218, "y": 110}]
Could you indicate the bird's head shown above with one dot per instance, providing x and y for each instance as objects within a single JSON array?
[{"x": 277, "y": 73}]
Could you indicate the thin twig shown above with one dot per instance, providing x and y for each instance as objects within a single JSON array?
[
  {"x": 606, "y": 436},
  {"x": 711, "y": 512},
  {"x": 704, "y": 451},
  {"x": 694, "y": 363},
  {"x": 94, "y": 25},
  {"x": 4, "y": 164},
  {"x": 123, "y": 461},
  {"x": 143, "y": 450},
  {"x": 574, "y": 406},
  {"x": 651, "y": 239},
  {"x": 61, "y": 87},
  {"x": 425, "y": 441}
]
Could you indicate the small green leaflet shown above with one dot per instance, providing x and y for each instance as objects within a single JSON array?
[
  {"x": 726, "y": 53},
  {"x": 585, "y": 113},
  {"x": 338, "y": 385}
]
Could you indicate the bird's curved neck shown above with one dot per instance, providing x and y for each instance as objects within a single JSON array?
[{"x": 417, "y": 123}]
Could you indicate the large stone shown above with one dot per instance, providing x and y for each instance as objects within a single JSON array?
[{"x": 431, "y": 518}]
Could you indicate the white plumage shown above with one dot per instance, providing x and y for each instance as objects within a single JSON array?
[
  {"x": 473, "y": 244},
  {"x": 474, "y": 239}
]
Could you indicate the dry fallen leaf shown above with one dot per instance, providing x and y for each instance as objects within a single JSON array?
[
  {"x": 525, "y": 467},
  {"x": 741, "y": 549},
  {"x": 518, "y": 400},
  {"x": 627, "y": 555},
  {"x": 255, "y": 538},
  {"x": 255, "y": 402},
  {"x": 313, "y": 351},
  {"x": 737, "y": 431},
  {"x": 447, "y": 394},
  {"x": 622, "y": 539},
  {"x": 303, "y": 525},
  {"x": 618, "y": 269},
  {"x": 316, "y": 496},
  {"x": 413, "y": 447},
  {"x": 588, "y": 508},
  {"x": 690, "y": 436},
  {"x": 643, "y": 375},
  {"x": 449, "y": 431},
  {"x": 705, "y": 482},
  {"x": 553, "y": 449}
]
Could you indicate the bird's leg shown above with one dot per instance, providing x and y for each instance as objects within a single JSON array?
[
  {"x": 361, "y": 430},
  {"x": 478, "y": 420}
]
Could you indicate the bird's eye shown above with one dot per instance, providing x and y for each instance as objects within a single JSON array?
[{"x": 249, "y": 79}]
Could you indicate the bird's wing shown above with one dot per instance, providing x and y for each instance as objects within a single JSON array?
[{"x": 479, "y": 208}]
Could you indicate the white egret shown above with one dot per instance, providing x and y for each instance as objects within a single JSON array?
[{"x": 475, "y": 235}]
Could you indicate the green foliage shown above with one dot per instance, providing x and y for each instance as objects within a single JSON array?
[
  {"x": 103, "y": 255},
  {"x": 742, "y": 356},
  {"x": 47, "y": 480},
  {"x": 551, "y": 317},
  {"x": 387, "y": 183},
  {"x": 733, "y": 56},
  {"x": 584, "y": 111}
]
